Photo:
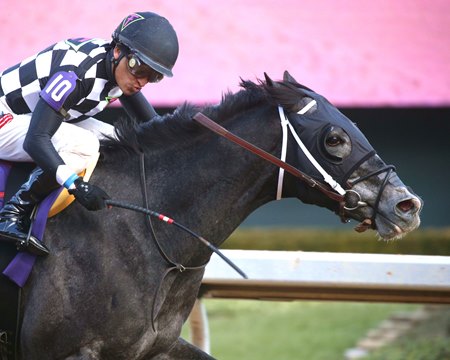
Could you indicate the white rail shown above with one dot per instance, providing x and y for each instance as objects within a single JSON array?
[
  {"x": 298, "y": 275},
  {"x": 295, "y": 275}
]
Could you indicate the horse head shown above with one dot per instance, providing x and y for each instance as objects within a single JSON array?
[{"x": 327, "y": 146}]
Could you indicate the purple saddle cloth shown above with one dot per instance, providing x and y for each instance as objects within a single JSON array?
[{"x": 19, "y": 269}]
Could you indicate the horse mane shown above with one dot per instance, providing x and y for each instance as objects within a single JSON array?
[{"x": 175, "y": 127}]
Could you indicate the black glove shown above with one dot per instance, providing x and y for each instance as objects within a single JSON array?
[{"x": 90, "y": 196}]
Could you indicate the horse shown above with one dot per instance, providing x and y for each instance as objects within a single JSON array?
[{"x": 117, "y": 285}]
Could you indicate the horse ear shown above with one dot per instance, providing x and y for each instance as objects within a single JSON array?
[
  {"x": 289, "y": 78},
  {"x": 269, "y": 81}
]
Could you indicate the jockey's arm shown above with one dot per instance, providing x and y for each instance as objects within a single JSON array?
[
  {"x": 138, "y": 107},
  {"x": 61, "y": 92},
  {"x": 45, "y": 121},
  {"x": 43, "y": 125}
]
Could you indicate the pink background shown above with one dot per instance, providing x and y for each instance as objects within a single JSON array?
[{"x": 355, "y": 52}]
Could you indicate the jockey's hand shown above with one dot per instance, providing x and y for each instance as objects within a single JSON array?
[{"x": 90, "y": 196}]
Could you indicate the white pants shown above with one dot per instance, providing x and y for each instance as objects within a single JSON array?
[{"x": 77, "y": 144}]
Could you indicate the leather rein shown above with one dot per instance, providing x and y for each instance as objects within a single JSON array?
[
  {"x": 348, "y": 199},
  {"x": 210, "y": 124}
]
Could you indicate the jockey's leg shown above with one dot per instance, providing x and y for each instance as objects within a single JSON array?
[
  {"x": 99, "y": 128},
  {"x": 76, "y": 146},
  {"x": 15, "y": 215}
]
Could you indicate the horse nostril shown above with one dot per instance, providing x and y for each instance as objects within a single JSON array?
[{"x": 407, "y": 206}]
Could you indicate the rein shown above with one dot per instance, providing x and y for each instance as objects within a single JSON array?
[
  {"x": 348, "y": 199},
  {"x": 168, "y": 220},
  {"x": 174, "y": 265},
  {"x": 210, "y": 124}
]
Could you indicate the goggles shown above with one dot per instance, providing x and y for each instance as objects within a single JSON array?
[{"x": 140, "y": 70}]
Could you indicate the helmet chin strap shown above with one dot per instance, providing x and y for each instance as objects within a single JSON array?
[
  {"x": 285, "y": 124},
  {"x": 115, "y": 62}
]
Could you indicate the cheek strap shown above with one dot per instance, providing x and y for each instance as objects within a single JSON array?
[
  {"x": 286, "y": 124},
  {"x": 115, "y": 62}
]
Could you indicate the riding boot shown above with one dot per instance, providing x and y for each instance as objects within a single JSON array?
[{"x": 15, "y": 217}]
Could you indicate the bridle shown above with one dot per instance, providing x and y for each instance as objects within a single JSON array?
[{"x": 348, "y": 199}]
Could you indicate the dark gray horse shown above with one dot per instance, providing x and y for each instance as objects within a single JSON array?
[{"x": 108, "y": 292}]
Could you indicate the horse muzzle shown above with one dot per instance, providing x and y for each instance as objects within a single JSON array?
[{"x": 394, "y": 217}]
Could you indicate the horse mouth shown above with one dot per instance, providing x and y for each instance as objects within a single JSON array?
[
  {"x": 394, "y": 232},
  {"x": 388, "y": 230},
  {"x": 394, "y": 221},
  {"x": 387, "y": 233}
]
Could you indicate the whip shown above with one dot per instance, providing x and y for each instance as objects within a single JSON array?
[{"x": 168, "y": 220}]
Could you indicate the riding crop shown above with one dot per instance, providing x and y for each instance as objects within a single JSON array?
[{"x": 168, "y": 220}]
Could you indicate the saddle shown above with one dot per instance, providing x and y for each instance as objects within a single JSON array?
[{"x": 16, "y": 266}]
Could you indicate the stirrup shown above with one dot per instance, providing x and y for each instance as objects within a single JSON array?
[
  {"x": 34, "y": 246},
  {"x": 30, "y": 244}
]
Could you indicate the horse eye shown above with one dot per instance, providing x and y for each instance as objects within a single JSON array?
[
  {"x": 333, "y": 140},
  {"x": 336, "y": 144}
]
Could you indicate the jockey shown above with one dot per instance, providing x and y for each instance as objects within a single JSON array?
[{"x": 47, "y": 104}]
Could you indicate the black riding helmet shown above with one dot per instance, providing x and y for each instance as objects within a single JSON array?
[{"x": 152, "y": 38}]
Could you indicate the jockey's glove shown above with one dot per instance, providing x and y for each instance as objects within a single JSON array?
[{"x": 88, "y": 195}]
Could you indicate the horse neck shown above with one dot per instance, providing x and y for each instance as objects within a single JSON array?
[{"x": 212, "y": 184}]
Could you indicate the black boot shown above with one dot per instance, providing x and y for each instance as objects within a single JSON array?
[{"x": 15, "y": 216}]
